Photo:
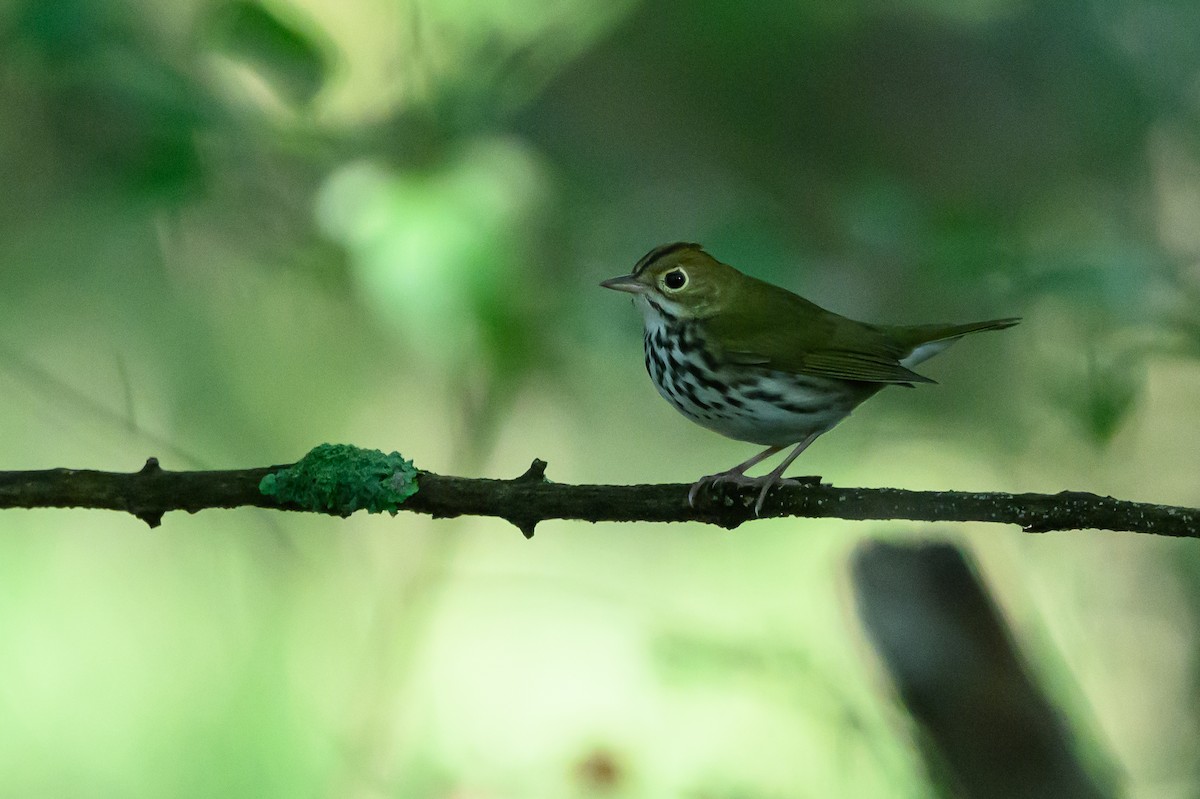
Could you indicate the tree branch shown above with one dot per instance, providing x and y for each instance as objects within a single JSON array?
[{"x": 531, "y": 498}]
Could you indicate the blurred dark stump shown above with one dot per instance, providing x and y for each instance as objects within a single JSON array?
[{"x": 986, "y": 729}]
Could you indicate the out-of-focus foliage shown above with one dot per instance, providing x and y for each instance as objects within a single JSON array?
[
  {"x": 288, "y": 59},
  {"x": 231, "y": 230}
]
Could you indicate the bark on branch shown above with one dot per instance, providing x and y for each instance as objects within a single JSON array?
[{"x": 526, "y": 500}]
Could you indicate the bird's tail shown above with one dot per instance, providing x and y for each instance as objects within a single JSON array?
[
  {"x": 928, "y": 340},
  {"x": 939, "y": 332}
]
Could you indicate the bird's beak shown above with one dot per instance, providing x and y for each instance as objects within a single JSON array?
[{"x": 624, "y": 283}]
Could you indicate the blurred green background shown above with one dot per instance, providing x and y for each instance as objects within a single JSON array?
[{"x": 232, "y": 230}]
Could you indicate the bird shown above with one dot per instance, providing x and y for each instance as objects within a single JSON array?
[{"x": 754, "y": 362}]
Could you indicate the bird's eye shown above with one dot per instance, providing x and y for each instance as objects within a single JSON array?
[{"x": 675, "y": 279}]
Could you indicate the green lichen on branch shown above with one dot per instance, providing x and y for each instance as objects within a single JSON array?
[{"x": 340, "y": 479}]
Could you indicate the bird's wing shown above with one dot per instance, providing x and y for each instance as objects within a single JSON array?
[
  {"x": 865, "y": 366},
  {"x": 785, "y": 332}
]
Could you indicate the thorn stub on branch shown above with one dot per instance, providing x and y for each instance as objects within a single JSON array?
[
  {"x": 525, "y": 524},
  {"x": 726, "y": 522},
  {"x": 536, "y": 473},
  {"x": 151, "y": 518}
]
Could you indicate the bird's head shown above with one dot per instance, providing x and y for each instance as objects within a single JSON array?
[{"x": 678, "y": 280}]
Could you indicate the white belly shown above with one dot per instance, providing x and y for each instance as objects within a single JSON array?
[{"x": 757, "y": 405}]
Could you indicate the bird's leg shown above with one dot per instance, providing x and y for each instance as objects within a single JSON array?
[
  {"x": 739, "y": 471},
  {"x": 776, "y": 475},
  {"x": 735, "y": 475},
  {"x": 738, "y": 476}
]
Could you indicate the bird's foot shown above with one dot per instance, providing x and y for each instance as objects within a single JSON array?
[
  {"x": 740, "y": 480},
  {"x": 769, "y": 483},
  {"x": 710, "y": 481}
]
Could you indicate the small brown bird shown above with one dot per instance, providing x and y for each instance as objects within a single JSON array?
[{"x": 757, "y": 363}]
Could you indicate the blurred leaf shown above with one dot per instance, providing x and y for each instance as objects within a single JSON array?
[
  {"x": 1107, "y": 275},
  {"x": 290, "y": 59},
  {"x": 61, "y": 30},
  {"x": 1113, "y": 392},
  {"x": 442, "y": 256},
  {"x": 113, "y": 102},
  {"x": 1100, "y": 396}
]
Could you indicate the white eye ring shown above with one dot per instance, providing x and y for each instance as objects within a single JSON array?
[{"x": 674, "y": 280}]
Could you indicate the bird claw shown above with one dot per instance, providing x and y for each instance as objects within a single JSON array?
[
  {"x": 808, "y": 479},
  {"x": 767, "y": 482},
  {"x": 710, "y": 481}
]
